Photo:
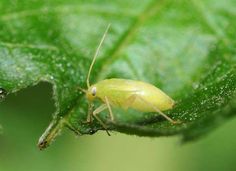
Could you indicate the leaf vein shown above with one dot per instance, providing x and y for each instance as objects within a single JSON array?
[
  {"x": 65, "y": 9},
  {"x": 150, "y": 11},
  {"x": 31, "y": 46}
]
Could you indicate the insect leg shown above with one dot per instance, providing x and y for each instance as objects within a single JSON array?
[
  {"x": 89, "y": 115},
  {"x": 109, "y": 109},
  {"x": 97, "y": 111},
  {"x": 158, "y": 110},
  {"x": 100, "y": 109},
  {"x": 69, "y": 126},
  {"x": 129, "y": 101}
]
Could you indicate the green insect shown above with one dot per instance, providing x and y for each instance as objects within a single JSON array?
[
  {"x": 114, "y": 92},
  {"x": 124, "y": 93}
]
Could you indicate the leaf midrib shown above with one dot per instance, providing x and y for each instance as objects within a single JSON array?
[
  {"x": 66, "y": 8},
  {"x": 151, "y": 10}
]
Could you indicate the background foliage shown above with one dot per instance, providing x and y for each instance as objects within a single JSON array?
[
  {"x": 23, "y": 125},
  {"x": 186, "y": 48}
]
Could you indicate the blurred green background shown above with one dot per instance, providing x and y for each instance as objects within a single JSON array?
[{"x": 25, "y": 115}]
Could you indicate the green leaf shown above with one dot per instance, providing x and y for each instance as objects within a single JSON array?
[{"x": 186, "y": 48}]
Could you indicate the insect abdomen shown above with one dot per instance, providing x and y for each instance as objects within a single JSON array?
[
  {"x": 120, "y": 92},
  {"x": 146, "y": 100}
]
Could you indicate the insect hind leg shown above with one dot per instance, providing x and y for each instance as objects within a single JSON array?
[
  {"x": 158, "y": 110},
  {"x": 129, "y": 101}
]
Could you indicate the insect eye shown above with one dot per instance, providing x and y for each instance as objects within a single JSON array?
[{"x": 94, "y": 90}]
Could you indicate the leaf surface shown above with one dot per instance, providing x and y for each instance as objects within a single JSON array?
[{"x": 186, "y": 48}]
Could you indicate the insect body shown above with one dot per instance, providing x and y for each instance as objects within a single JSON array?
[
  {"x": 130, "y": 94},
  {"x": 125, "y": 94},
  {"x": 121, "y": 93}
]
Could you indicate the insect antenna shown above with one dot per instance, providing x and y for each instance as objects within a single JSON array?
[
  {"x": 81, "y": 89},
  {"x": 96, "y": 54}
]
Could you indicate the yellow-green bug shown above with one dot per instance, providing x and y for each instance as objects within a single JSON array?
[
  {"x": 125, "y": 94},
  {"x": 118, "y": 92}
]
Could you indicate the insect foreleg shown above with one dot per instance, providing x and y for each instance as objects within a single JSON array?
[
  {"x": 157, "y": 110},
  {"x": 69, "y": 126},
  {"x": 89, "y": 115}
]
